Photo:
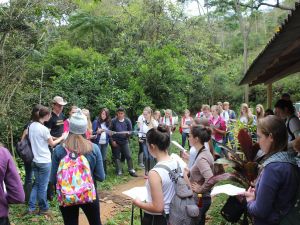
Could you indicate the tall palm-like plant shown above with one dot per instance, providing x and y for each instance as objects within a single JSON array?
[{"x": 84, "y": 23}]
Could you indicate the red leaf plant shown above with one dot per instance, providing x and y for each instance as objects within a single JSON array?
[{"x": 245, "y": 169}]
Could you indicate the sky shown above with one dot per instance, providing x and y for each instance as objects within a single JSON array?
[{"x": 191, "y": 8}]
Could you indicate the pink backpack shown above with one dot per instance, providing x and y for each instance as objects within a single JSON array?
[{"x": 75, "y": 183}]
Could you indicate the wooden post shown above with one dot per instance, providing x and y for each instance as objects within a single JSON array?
[
  {"x": 269, "y": 96},
  {"x": 247, "y": 94}
]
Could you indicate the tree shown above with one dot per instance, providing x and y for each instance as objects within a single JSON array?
[{"x": 91, "y": 28}]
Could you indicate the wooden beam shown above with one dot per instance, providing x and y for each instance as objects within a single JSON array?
[
  {"x": 272, "y": 77},
  {"x": 288, "y": 71},
  {"x": 269, "y": 96}
]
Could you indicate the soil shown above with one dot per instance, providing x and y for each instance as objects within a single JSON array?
[{"x": 112, "y": 202}]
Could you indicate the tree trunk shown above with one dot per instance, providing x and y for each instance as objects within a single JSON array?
[
  {"x": 245, "y": 30},
  {"x": 245, "y": 58},
  {"x": 41, "y": 85}
]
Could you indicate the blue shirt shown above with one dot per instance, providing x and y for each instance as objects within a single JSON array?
[
  {"x": 275, "y": 193},
  {"x": 94, "y": 158},
  {"x": 119, "y": 126},
  {"x": 97, "y": 124}
]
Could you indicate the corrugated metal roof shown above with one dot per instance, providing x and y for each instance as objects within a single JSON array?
[{"x": 281, "y": 56}]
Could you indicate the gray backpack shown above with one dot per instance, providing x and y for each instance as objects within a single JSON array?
[{"x": 183, "y": 207}]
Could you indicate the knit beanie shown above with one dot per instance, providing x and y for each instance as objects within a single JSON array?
[{"x": 78, "y": 123}]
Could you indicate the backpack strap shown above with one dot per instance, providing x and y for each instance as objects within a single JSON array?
[
  {"x": 28, "y": 135},
  {"x": 173, "y": 176}
]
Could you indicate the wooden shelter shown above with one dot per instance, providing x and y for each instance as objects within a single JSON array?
[{"x": 280, "y": 58}]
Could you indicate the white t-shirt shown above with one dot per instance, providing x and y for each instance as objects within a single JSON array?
[
  {"x": 140, "y": 121},
  {"x": 144, "y": 128},
  {"x": 244, "y": 119},
  {"x": 187, "y": 121},
  {"x": 39, "y": 135},
  {"x": 167, "y": 184},
  {"x": 193, "y": 154},
  {"x": 225, "y": 116},
  {"x": 167, "y": 121},
  {"x": 103, "y": 135}
]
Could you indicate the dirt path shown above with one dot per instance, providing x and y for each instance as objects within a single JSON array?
[{"x": 112, "y": 202}]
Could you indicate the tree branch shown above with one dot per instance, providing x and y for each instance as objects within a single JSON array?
[{"x": 277, "y": 5}]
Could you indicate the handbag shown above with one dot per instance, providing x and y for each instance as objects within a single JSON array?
[
  {"x": 24, "y": 149},
  {"x": 180, "y": 129},
  {"x": 233, "y": 209}
]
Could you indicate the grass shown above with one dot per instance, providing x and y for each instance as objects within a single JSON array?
[
  {"x": 17, "y": 215},
  {"x": 214, "y": 215},
  {"x": 123, "y": 217},
  {"x": 16, "y": 211}
]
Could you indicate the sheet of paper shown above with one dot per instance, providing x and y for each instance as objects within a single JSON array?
[
  {"x": 178, "y": 159},
  {"x": 178, "y": 145},
  {"x": 136, "y": 192},
  {"x": 228, "y": 189}
]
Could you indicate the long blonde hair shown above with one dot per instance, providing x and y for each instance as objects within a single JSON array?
[
  {"x": 149, "y": 110},
  {"x": 262, "y": 111},
  {"x": 86, "y": 112},
  {"x": 77, "y": 143},
  {"x": 248, "y": 113}
]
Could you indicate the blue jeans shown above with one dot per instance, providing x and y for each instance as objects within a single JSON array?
[
  {"x": 28, "y": 173},
  {"x": 38, "y": 194},
  {"x": 184, "y": 136},
  {"x": 103, "y": 149},
  {"x": 149, "y": 160},
  {"x": 206, "y": 202}
]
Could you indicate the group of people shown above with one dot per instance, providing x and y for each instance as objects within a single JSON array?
[
  {"x": 274, "y": 193},
  {"x": 54, "y": 137}
]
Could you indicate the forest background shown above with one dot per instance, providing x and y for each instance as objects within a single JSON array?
[{"x": 133, "y": 53}]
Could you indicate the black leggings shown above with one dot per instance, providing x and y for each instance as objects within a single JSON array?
[
  {"x": 70, "y": 214},
  {"x": 149, "y": 219},
  {"x": 4, "y": 221}
]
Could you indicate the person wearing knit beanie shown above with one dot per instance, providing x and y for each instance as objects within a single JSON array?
[
  {"x": 77, "y": 145},
  {"x": 78, "y": 123}
]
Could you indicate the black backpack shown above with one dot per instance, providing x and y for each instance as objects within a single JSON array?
[{"x": 24, "y": 149}]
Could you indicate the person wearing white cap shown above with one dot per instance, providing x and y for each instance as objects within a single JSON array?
[
  {"x": 78, "y": 144},
  {"x": 56, "y": 122},
  {"x": 56, "y": 126}
]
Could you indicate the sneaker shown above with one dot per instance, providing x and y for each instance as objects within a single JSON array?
[
  {"x": 47, "y": 212},
  {"x": 141, "y": 165},
  {"x": 132, "y": 173},
  {"x": 28, "y": 212},
  {"x": 119, "y": 173}
]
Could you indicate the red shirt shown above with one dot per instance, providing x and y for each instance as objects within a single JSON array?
[{"x": 220, "y": 124}]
